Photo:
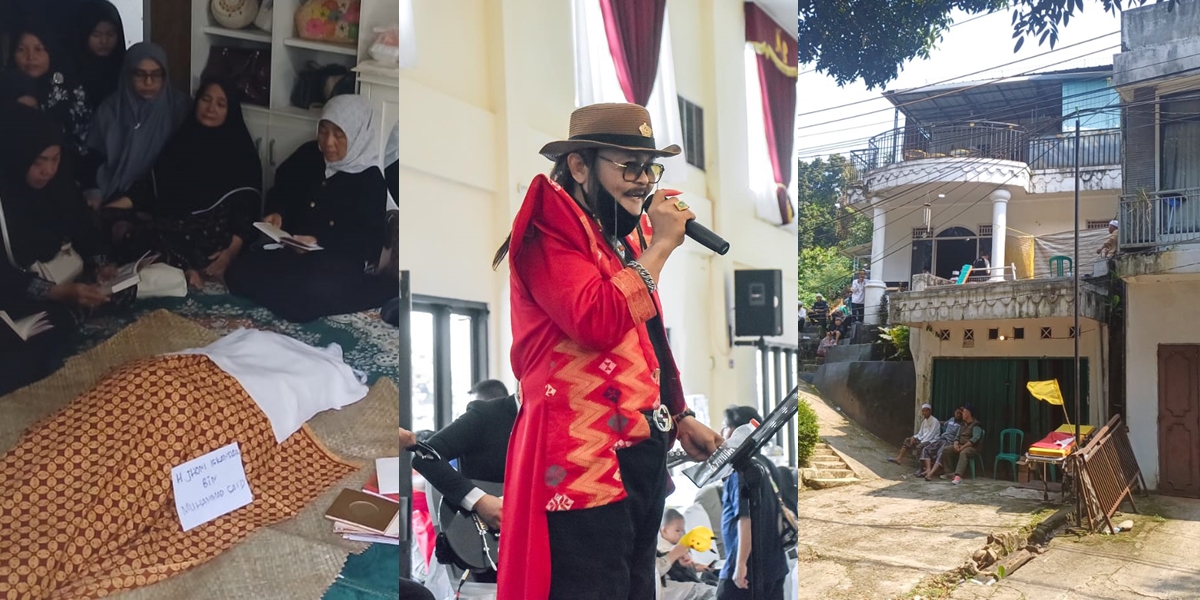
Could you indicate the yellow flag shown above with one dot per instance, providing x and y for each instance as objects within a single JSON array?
[{"x": 1046, "y": 391}]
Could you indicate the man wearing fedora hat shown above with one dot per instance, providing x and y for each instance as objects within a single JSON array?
[{"x": 601, "y": 399}]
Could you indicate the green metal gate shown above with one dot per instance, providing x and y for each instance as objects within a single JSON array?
[{"x": 996, "y": 387}]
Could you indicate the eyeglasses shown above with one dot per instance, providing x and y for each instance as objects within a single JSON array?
[
  {"x": 150, "y": 76},
  {"x": 632, "y": 171}
]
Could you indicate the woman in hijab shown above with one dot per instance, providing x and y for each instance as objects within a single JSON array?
[
  {"x": 133, "y": 125},
  {"x": 36, "y": 53},
  {"x": 329, "y": 193},
  {"x": 206, "y": 190},
  {"x": 43, "y": 211},
  {"x": 99, "y": 47}
]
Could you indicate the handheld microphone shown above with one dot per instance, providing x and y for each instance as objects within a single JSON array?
[{"x": 699, "y": 233}]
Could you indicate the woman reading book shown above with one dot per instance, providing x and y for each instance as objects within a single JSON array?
[
  {"x": 204, "y": 191},
  {"x": 46, "y": 229},
  {"x": 330, "y": 193}
]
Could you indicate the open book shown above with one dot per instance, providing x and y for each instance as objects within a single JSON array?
[
  {"x": 284, "y": 237},
  {"x": 127, "y": 276},
  {"x": 29, "y": 326}
]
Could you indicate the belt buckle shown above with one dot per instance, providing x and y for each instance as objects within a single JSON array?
[{"x": 662, "y": 418}]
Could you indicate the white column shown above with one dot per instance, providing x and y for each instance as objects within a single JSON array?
[
  {"x": 875, "y": 285},
  {"x": 999, "y": 232}
]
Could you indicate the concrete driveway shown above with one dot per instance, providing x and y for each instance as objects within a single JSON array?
[
  {"x": 881, "y": 537},
  {"x": 1158, "y": 559}
]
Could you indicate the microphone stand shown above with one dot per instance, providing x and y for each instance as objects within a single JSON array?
[{"x": 751, "y": 476}]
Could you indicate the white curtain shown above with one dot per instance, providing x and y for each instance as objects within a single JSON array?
[
  {"x": 596, "y": 81},
  {"x": 762, "y": 177},
  {"x": 408, "y": 36}
]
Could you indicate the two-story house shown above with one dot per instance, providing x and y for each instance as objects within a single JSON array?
[
  {"x": 987, "y": 168},
  {"x": 1158, "y": 76}
]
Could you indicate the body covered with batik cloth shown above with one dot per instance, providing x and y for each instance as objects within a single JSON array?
[{"x": 583, "y": 354}]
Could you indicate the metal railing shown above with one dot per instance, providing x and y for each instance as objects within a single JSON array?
[
  {"x": 1096, "y": 149},
  {"x": 985, "y": 139},
  {"x": 1158, "y": 218}
]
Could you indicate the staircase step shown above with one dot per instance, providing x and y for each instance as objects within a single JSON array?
[
  {"x": 824, "y": 484},
  {"x": 828, "y": 463},
  {"x": 834, "y": 474}
]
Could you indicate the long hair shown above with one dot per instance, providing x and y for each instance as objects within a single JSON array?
[{"x": 560, "y": 174}]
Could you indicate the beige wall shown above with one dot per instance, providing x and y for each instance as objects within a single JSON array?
[
  {"x": 1156, "y": 313},
  {"x": 926, "y": 346},
  {"x": 1033, "y": 215},
  {"x": 494, "y": 81}
]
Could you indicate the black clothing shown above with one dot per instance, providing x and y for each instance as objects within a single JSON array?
[
  {"x": 735, "y": 504},
  {"x": 411, "y": 590},
  {"x": 608, "y": 552},
  {"x": 479, "y": 440},
  {"x": 26, "y": 361},
  {"x": 59, "y": 91},
  {"x": 40, "y": 221},
  {"x": 726, "y": 590},
  {"x": 203, "y": 190},
  {"x": 392, "y": 175},
  {"x": 347, "y": 213},
  {"x": 99, "y": 74}
]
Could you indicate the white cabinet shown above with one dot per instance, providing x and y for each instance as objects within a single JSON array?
[
  {"x": 285, "y": 136},
  {"x": 280, "y": 128}
]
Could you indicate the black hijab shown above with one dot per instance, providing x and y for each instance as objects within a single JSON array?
[
  {"x": 98, "y": 74},
  {"x": 39, "y": 221},
  {"x": 60, "y": 70},
  {"x": 201, "y": 164}
]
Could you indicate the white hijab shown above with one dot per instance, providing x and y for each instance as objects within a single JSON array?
[{"x": 355, "y": 116}]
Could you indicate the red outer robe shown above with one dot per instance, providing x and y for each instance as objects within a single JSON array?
[{"x": 587, "y": 369}]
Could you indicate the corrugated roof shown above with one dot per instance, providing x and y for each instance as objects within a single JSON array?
[{"x": 1013, "y": 99}]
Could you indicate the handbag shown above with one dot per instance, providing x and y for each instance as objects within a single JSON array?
[
  {"x": 789, "y": 529},
  {"x": 65, "y": 267},
  {"x": 316, "y": 84},
  {"x": 247, "y": 69}
]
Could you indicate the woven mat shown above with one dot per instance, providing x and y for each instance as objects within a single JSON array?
[{"x": 294, "y": 560}]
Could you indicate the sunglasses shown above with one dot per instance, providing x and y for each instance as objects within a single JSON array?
[{"x": 632, "y": 171}]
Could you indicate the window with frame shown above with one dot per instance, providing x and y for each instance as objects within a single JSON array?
[{"x": 449, "y": 355}]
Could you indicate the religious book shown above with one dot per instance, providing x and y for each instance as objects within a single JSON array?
[
  {"x": 128, "y": 275},
  {"x": 282, "y": 237},
  {"x": 368, "y": 514},
  {"x": 29, "y": 326},
  {"x": 372, "y": 487}
]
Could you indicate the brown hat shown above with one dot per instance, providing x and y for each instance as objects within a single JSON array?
[{"x": 619, "y": 126}]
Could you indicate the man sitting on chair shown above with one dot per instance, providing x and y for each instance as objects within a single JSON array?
[
  {"x": 970, "y": 438},
  {"x": 927, "y": 432}
]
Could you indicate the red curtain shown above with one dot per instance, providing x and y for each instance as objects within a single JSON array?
[
  {"x": 777, "y": 72},
  {"x": 634, "y": 30}
]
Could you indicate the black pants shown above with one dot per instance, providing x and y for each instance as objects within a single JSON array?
[
  {"x": 726, "y": 590},
  {"x": 607, "y": 552},
  {"x": 306, "y": 287}
]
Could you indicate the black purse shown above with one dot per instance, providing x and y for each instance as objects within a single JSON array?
[{"x": 316, "y": 84}]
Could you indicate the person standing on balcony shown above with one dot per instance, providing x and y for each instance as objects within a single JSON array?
[
  {"x": 1109, "y": 249},
  {"x": 981, "y": 270},
  {"x": 858, "y": 295}
]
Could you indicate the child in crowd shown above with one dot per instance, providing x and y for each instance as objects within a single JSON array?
[{"x": 679, "y": 576}]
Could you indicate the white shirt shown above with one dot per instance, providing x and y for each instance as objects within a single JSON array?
[
  {"x": 930, "y": 429},
  {"x": 858, "y": 291},
  {"x": 803, "y": 313}
]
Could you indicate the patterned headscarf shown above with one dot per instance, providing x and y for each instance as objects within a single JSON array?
[{"x": 356, "y": 118}]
